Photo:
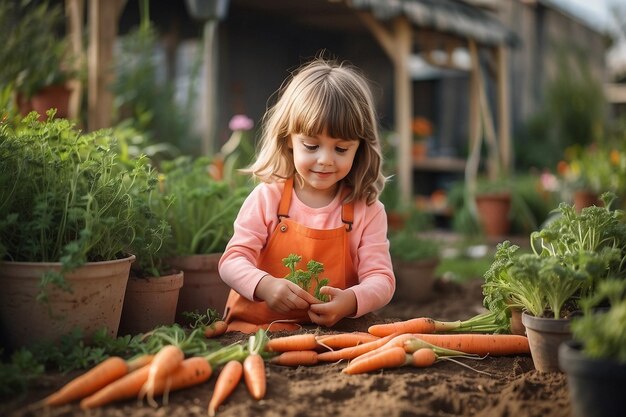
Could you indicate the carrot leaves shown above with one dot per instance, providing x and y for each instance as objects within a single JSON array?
[{"x": 303, "y": 278}]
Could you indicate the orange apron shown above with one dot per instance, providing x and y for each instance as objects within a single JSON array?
[{"x": 330, "y": 247}]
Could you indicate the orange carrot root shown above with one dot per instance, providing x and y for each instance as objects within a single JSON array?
[
  {"x": 295, "y": 342},
  {"x": 388, "y": 358},
  {"x": 191, "y": 372},
  {"x": 254, "y": 375},
  {"x": 139, "y": 362},
  {"x": 353, "y": 352},
  {"x": 424, "y": 357},
  {"x": 226, "y": 383},
  {"x": 480, "y": 344},
  {"x": 417, "y": 325},
  {"x": 165, "y": 362},
  {"x": 101, "y": 375},
  {"x": 344, "y": 340},
  {"x": 296, "y": 358},
  {"x": 216, "y": 329}
]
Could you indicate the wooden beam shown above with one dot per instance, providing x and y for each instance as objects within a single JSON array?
[
  {"x": 504, "y": 126},
  {"x": 382, "y": 35},
  {"x": 404, "y": 107},
  {"x": 103, "y": 24},
  {"x": 75, "y": 11}
]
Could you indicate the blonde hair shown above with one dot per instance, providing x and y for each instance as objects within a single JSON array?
[{"x": 323, "y": 95}]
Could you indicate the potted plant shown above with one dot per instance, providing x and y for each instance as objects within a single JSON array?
[
  {"x": 153, "y": 287},
  {"x": 422, "y": 130},
  {"x": 493, "y": 206},
  {"x": 595, "y": 359},
  {"x": 68, "y": 208},
  {"x": 38, "y": 63},
  {"x": 201, "y": 213},
  {"x": 414, "y": 258},
  {"x": 570, "y": 256}
]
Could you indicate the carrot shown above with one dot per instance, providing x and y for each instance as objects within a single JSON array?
[
  {"x": 217, "y": 328},
  {"x": 480, "y": 344},
  {"x": 254, "y": 367},
  {"x": 139, "y": 362},
  {"x": 295, "y": 342},
  {"x": 91, "y": 381},
  {"x": 388, "y": 358},
  {"x": 423, "y": 357},
  {"x": 344, "y": 340},
  {"x": 296, "y": 358},
  {"x": 353, "y": 352},
  {"x": 397, "y": 341},
  {"x": 191, "y": 372},
  {"x": 226, "y": 382},
  {"x": 418, "y": 325},
  {"x": 164, "y": 363}
]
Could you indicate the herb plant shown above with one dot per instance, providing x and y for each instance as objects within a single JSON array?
[
  {"x": 303, "y": 278},
  {"x": 571, "y": 256},
  {"x": 64, "y": 196},
  {"x": 201, "y": 210},
  {"x": 602, "y": 330}
]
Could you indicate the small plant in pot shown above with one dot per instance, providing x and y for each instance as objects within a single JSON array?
[
  {"x": 415, "y": 259},
  {"x": 67, "y": 221},
  {"x": 570, "y": 256},
  {"x": 153, "y": 287},
  {"x": 595, "y": 359},
  {"x": 201, "y": 213}
]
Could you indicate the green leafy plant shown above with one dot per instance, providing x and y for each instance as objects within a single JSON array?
[
  {"x": 65, "y": 197},
  {"x": 303, "y": 278},
  {"x": 570, "y": 257},
  {"x": 407, "y": 245},
  {"x": 600, "y": 328},
  {"x": 201, "y": 211}
]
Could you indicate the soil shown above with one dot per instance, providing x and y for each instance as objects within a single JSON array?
[{"x": 512, "y": 388}]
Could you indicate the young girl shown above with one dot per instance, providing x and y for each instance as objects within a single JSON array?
[{"x": 320, "y": 167}]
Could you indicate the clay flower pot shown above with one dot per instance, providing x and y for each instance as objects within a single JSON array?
[
  {"x": 544, "y": 337},
  {"x": 493, "y": 211},
  {"x": 596, "y": 386},
  {"x": 95, "y": 300},
  {"x": 150, "y": 302},
  {"x": 203, "y": 288},
  {"x": 415, "y": 279}
]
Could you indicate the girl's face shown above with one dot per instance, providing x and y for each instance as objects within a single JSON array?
[{"x": 322, "y": 161}]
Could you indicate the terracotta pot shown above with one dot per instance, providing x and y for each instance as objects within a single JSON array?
[
  {"x": 150, "y": 302},
  {"x": 585, "y": 198},
  {"x": 396, "y": 220},
  {"x": 517, "y": 327},
  {"x": 420, "y": 150},
  {"x": 415, "y": 279},
  {"x": 596, "y": 386},
  {"x": 544, "y": 337},
  {"x": 95, "y": 301},
  {"x": 203, "y": 288},
  {"x": 493, "y": 213},
  {"x": 53, "y": 96}
]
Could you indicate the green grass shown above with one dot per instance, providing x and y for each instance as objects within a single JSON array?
[{"x": 461, "y": 269}]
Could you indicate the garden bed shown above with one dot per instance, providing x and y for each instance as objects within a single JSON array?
[{"x": 514, "y": 387}]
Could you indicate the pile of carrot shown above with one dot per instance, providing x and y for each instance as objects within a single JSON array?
[{"x": 412, "y": 342}]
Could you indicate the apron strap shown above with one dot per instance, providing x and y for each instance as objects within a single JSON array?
[
  {"x": 347, "y": 210},
  {"x": 285, "y": 200}
]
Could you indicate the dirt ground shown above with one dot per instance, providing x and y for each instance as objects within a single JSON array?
[{"x": 512, "y": 388}]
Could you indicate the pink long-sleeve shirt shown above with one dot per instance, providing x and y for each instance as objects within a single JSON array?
[{"x": 369, "y": 246}]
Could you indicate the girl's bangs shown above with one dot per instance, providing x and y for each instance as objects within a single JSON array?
[{"x": 326, "y": 110}]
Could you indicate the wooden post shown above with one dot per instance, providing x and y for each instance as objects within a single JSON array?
[
  {"x": 209, "y": 141},
  {"x": 504, "y": 126},
  {"x": 404, "y": 107},
  {"x": 103, "y": 22},
  {"x": 75, "y": 10},
  {"x": 398, "y": 46}
]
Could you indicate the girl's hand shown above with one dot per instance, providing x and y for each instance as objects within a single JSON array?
[
  {"x": 342, "y": 304},
  {"x": 282, "y": 295}
]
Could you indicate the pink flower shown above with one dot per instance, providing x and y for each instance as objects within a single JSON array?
[{"x": 240, "y": 122}]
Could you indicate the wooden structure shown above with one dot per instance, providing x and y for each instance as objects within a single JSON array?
[{"x": 402, "y": 29}]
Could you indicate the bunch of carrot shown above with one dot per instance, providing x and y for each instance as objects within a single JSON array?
[
  {"x": 168, "y": 370},
  {"x": 412, "y": 342}
]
